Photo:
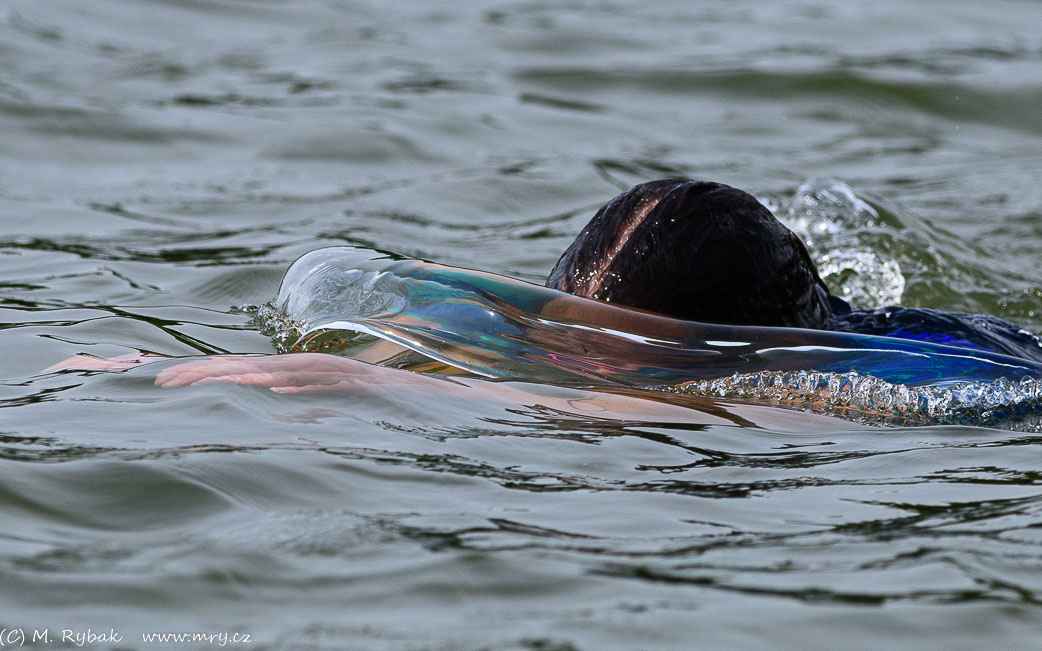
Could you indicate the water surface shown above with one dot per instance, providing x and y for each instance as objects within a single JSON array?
[{"x": 162, "y": 162}]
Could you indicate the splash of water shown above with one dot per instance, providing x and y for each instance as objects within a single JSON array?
[{"x": 848, "y": 239}]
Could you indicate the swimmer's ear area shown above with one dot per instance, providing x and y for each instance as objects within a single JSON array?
[{"x": 699, "y": 251}]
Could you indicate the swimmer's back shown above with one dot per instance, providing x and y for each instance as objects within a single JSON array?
[{"x": 975, "y": 331}]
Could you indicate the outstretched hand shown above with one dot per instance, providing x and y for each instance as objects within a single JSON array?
[{"x": 293, "y": 373}]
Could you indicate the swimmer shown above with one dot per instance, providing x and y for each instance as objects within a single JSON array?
[
  {"x": 708, "y": 252},
  {"x": 689, "y": 250}
]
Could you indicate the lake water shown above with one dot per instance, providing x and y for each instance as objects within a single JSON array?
[{"x": 164, "y": 162}]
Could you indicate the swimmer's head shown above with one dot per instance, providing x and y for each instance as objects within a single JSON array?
[{"x": 697, "y": 251}]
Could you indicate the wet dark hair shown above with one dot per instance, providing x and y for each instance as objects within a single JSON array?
[{"x": 698, "y": 251}]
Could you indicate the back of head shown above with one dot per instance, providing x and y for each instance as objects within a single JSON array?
[{"x": 698, "y": 251}]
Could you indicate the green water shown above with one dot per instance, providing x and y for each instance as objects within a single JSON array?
[{"x": 161, "y": 162}]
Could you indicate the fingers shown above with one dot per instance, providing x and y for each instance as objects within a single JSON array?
[
  {"x": 118, "y": 363},
  {"x": 280, "y": 371},
  {"x": 78, "y": 363},
  {"x": 192, "y": 372},
  {"x": 294, "y": 373},
  {"x": 282, "y": 380}
]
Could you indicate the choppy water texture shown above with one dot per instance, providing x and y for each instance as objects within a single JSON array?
[{"x": 162, "y": 162}]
